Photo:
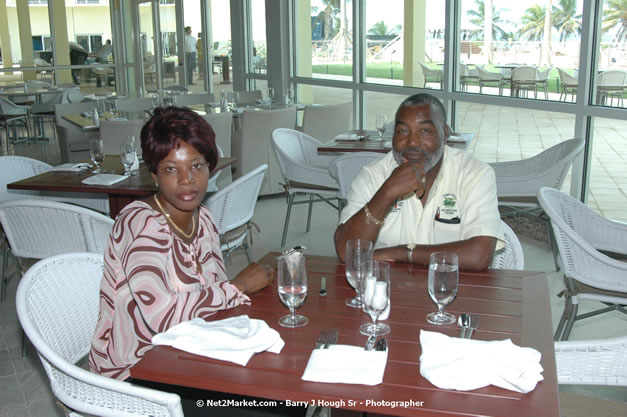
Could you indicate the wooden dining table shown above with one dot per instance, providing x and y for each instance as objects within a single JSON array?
[
  {"x": 510, "y": 305},
  {"x": 133, "y": 188}
]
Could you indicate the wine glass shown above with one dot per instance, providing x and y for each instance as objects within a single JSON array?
[
  {"x": 96, "y": 153},
  {"x": 235, "y": 99},
  {"x": 380, "y": 123},
  {"x": 292, "y": 284},
  {"x": 376, "y": 295},
  {"x": 270, "y": 95},
  {"x": 357, "y": 252},
  {"x": 443, "y": 282},
  {"x": 128, "y": 153}
]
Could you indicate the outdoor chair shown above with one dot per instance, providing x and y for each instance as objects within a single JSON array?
[
  {"x": 567, "y": 83},
  {"x": 233, "y": 208},
  {"x": 585, "y": 241},
  {"x": 611, "y": 84},
  {"x": 251, "y": 144},
  {"x": 326, "y": 122},
  {"x": 112, "y": 132},
  {"x": 58, "y": 304},
  {"x": 432, "y": 75},
  {"x": 134, "y": 105},
  {"x": 518, "y": 182},
  {"x": 524, "y": 79},
  {"x": 466, "y": 76},
  {"x": 304, "y": 171},
  {"x": 44, "y": 111},
  {"x": 543, "y": 81},
  {"x": 511, "y": 256},
  {"x": 488, "y": 79},
  {"x": 592, "y": 362},
  {"x": 37, "y": 229},
  {"x": 12, "y": 118},
  {"x": 183, "y": 100},
  {"x": 73, "y": 141},
  {"x": 344, "y": 169}
]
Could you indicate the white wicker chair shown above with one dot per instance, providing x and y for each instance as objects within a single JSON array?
[
  {"x": 58, "y": 305},
  {"x": 233, "y": 208},
  {"x": 567, "y": 82},
  {"x": 112, "y": 132},
  {"x": 222, "y": 124},
  {"x": 525, "y": 78},
  {"x": 611, "y": 84},
  {"x": 518, "y": 182},
  {"x": 511, "y": 256},
  {"x": 344, "y": 169},
  {"x": 305, "y": 172},
  {"x": 581, "y": 235},
  {"x": 432, "y": 75},
  {"x": 486, "y": 78},
  {"x": 37, "y": 229},
  {"x": 592, "y": 362}
]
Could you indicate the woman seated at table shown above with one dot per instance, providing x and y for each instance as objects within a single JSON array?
[{"x": 163, "y": 263}]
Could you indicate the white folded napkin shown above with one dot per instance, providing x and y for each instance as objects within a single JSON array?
[
  {"x": 347, "y": 365},
  {"x": 348, "y": 136},
  {"x": 71, "y": 167},
  {"x": 459, "y": 138},
  {"x": 104, "y": 179},
  {"x": 235, "y": 339},
  {"x": 465, "y": 364}
]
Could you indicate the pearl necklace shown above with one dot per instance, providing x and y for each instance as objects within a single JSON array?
[{"x": 167, "y": 216}]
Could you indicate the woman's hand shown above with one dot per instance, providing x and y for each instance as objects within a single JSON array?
[{"x": 254, "y": 278}]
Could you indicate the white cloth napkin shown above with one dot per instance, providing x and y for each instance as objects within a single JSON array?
[
  {"x": 71, "y": 167},
  {"x": 348, "y": 136},
  {"x": 235, "y": 339},
  {"x": 104, "y": 179},
  {"x": 465, "y": 364},
  {"x": 347, "y": 365}
]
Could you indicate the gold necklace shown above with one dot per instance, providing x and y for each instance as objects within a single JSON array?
[{"x": 167, "y": 216}]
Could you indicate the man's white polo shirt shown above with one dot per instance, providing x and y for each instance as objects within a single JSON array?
[{"x": 462, "y": 203}]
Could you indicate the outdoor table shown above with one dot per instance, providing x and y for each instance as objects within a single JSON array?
[
  {"x": 135, "y": 187},
  {"x": 509, "y": 304}
]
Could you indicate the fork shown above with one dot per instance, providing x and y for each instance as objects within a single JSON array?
[
  {"x": 474, "y": 322},
  {"x": 326, "y": 338}
]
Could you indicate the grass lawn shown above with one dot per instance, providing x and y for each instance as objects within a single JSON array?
[{"x": 385, "y": 71}]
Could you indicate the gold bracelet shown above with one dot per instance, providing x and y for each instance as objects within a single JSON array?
[{"x": 371, "y": 219}]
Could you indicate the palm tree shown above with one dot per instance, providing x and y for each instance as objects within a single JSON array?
[
  {"x": 615, "y": 15},
  {"x": 327, "y": 16},
  {"x": 480, "y": 18},
  {"x": 566, "y": 20},
  {"x": 380, "y": 28},
  {"x": 533, "y": 23},
  {"x": 545, "y": 50}
]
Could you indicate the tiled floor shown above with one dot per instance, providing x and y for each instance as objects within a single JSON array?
[{"x": 24, "y": 388}]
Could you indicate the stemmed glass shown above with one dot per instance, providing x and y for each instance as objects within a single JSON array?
[
  {"x": 292, "y": 283},
  {"x": 357, "y": 252},
  {"x": 235, "y": 99},
  {"x": 96, "y": 153},
  {"x": 270, "y": 95},
  {"x": 443, "y": 282},
  {"x": 128, "y": 153},
  {"x": 380, "y": 123},
  {"x": 376, "y": 295}
]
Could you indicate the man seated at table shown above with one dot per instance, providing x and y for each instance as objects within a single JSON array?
[{"x": 423, "y": 196}]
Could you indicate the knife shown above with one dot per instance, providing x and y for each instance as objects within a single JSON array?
[{"x": 381, "y": 345}]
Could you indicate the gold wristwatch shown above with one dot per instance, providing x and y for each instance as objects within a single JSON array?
[{"x": 410, "y": 251}]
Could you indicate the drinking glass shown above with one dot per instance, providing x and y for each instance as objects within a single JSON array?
[
  {"x": 292, "y": 283},
  {"x": 357, "y": 252},
  {"x": 380, "y": 123},
  {"x": 128, "y": 153},
  {"x": 235, "y": 98},
  {"x": 96, "y": 153},
  {"x": 271, "y": 95},
  {"x": 376, "y": 295},
  {"x": 443, "y": 282}
]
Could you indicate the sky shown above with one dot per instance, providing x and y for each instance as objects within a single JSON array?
[{"x": 391, "y": 11}]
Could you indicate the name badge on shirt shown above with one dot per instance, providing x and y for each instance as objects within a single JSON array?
[{"x": 447, "y": 211}]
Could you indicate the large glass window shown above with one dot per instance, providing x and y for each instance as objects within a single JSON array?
[
  {"x": 259, "y": 51},
  {"x": 324, "y": 39},
  {"x": 610, "y": 79},
  {"x": 384, "y": 41}
]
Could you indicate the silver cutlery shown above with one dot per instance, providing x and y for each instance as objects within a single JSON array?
[
  {"x": 370, "y": 342},
  {"x": 323, "y": 287},
  {"x": 465, "y": 323},
  {"x": 326, "y": 338},
  {"x": 460, "y": 323},
  {"x": 474, "y": 322}
]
